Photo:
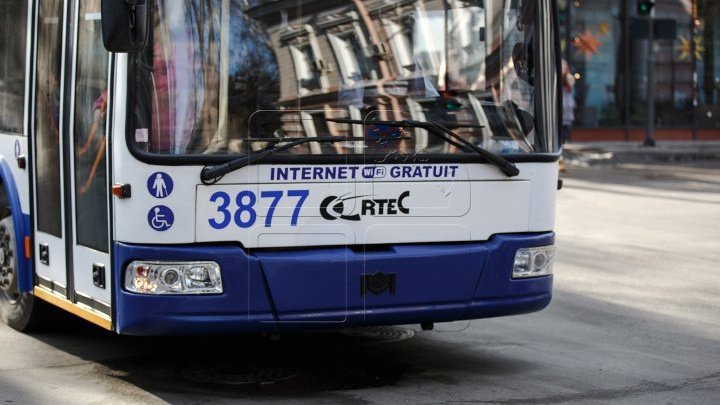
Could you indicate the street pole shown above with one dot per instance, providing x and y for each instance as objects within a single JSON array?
[
  {"x": 650, "y": 130},
  {"x": 693, "y": 51}
]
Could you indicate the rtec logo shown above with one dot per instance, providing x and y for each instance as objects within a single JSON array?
[{"x": 333, "y": 207}]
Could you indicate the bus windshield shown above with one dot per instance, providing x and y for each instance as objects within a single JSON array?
[{"x": 227, "y": 77}]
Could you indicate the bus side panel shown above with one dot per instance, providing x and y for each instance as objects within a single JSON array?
[{"x": 21, "y": 222}]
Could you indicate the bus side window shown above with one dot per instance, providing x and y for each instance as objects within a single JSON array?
[
  {"x": 91, "y": 102},
  {"x": 48, "y": 60},
  {"x": 13, "y": 32}
]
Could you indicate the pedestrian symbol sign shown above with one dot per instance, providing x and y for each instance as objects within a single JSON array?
[
  {"x": 161, "y": 218},
  {"x": 160, "y": 185}
]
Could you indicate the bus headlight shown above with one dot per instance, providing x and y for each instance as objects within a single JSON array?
[
  {"x": 173, "y": 278},
  {"x": 533, "y": 262}
]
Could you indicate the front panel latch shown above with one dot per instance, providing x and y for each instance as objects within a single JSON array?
[
  {"x": 378, "y": 283},
  {"x": 98, "y": 275},
  {"x": 45, "y": 254}
]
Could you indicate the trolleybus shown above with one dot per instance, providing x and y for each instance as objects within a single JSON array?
[{"x": 224, "y": 166}]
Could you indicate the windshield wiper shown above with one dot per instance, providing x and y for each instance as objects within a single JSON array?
[
  {"x": 445, "y": 134},
  {"x": 211, "y": 174}
]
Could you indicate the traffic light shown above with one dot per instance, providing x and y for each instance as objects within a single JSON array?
[{"x": 644, "y": 7}]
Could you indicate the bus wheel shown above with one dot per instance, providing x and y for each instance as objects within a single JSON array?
[{"x": 20, "y": 310}]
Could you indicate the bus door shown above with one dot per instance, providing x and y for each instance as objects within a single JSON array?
[
  {"x": 50, "y": 259},
  {"x": 72, "y": 237}
]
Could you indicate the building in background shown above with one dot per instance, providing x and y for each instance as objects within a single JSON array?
[{"x": 608, "y": 56}]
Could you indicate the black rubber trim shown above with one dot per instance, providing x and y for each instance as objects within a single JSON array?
[
  {"x": 30, "y": 135},
  {"x": 202, "y": 160},
  {"x": 66, "y": 151},
  {"x": 44, "y": 283},
  {"x": 52, "y": 286},
  {"x": 60, "y": 289},
  {"x": 558, "y": 62},
  {"x": 96, "y": 305},
  {"x": 109, "y": 155}
]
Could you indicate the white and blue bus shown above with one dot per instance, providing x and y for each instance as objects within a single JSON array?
[{"x": 225, "y": 166}]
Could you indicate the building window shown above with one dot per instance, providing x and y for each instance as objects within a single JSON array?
[
  {"x": 401, "y": 43},
  {"x": 307, "y": 70},
  {"x": 354, "y": 65}
]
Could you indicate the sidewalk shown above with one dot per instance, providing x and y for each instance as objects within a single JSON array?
[{"x": 608, "y": 153}]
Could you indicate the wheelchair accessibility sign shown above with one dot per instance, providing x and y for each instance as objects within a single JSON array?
[{"x": 161, "y": 218}]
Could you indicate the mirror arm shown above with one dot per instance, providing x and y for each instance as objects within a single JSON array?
[
  {"x": 132, "y": 17},
  {"x": 125, "y": 24},
  {"x": 133, "y": 14}
]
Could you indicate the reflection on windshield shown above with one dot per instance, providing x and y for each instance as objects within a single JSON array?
[{"x": 220, "y": 73}]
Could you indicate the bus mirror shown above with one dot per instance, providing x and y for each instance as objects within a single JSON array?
[{"x": 125, "y": 24}]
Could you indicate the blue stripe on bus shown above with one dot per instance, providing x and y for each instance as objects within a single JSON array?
[
  {"x": 312, "y": 288},
  {"x": 22, "y": 226}
]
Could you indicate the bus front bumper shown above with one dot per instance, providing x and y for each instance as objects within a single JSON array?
[{"x": 334, "y": 287}]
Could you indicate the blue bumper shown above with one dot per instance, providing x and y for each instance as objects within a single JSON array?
[{"x": 268, "y": 291}]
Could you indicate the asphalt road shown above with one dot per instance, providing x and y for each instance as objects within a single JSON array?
[{"x": 635, "y": 319}]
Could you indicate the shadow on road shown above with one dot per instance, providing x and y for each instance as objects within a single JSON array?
[
  {"x": 262, "y": 366},
  {"x": 581, "y": 348}
]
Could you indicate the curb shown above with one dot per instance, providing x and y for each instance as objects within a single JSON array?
[{"x": 593, "y": 154}]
